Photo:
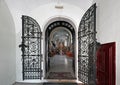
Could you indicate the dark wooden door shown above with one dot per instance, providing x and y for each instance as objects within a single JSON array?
[{"x": 106, "y": 64}]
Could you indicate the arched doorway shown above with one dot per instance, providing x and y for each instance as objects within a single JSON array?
[
  {"x": 31, "y": 48},
  {"x": 60, "y": 47}
]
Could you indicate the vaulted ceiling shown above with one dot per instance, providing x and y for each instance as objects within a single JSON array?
[
  {"x": 24, "y": 5},
  {"x": 42, "y": 10}
]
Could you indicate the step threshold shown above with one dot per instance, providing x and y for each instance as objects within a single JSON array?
[{"x": 32, "y": 82}]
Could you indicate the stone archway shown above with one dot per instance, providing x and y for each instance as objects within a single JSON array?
[{"x": 59, "y": 41}]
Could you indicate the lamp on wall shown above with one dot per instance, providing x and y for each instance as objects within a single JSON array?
[{"x": 59, "y": 5}]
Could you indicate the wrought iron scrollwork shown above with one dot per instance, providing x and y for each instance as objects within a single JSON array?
[
  {"x": 31, "y": 48},
  {"x": 87, "y": 47}
]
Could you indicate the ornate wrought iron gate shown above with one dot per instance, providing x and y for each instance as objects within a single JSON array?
[
  {"x": 31, "y": 48},
  {"x": 87, "y": 47}
]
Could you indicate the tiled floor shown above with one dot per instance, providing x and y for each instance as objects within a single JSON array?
[
  {"x": 61, "y": 63},
  {"x": 48, "y": 83},
  {"x": 58, "y": 63}
]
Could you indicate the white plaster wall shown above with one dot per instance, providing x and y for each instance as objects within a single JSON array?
[
  {"x": 108, "y": 27},
  {"x": 42, "y": 15},
  {"x": 7, "y": 46}
]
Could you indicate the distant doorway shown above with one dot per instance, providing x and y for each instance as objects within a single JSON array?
[{"x": 60, "y": 47}]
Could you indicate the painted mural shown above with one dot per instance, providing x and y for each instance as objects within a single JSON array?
[{"x": 60, "y": 43}]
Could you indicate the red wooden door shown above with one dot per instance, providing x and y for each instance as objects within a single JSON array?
[{"x": 106, "y": 64}]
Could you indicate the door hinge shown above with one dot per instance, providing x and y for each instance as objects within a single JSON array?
[
  {"x": 41, "y": 72},
  {"x": 41, "y": 34},
  {"x": 41, "y": 57}
]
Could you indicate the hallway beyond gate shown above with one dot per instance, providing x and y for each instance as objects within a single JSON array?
[{"x": 61, "y": 67}]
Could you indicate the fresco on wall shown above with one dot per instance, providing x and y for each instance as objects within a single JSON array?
[{"x": 60, "y": 43}]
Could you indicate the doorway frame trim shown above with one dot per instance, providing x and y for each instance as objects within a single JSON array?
[{"x": 70, "y": 21}]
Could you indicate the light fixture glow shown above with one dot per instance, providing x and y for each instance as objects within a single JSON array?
[{"x": 59, "y": 5}]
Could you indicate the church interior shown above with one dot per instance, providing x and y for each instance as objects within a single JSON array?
[{"x": 59, "y": 42}]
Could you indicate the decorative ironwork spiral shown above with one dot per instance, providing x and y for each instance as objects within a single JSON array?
[
  {"x": 31, "y": 48},
  {"x": 87, "y": 47}
]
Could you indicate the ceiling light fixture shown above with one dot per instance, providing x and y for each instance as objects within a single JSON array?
[{"x": 59, "y": 5}]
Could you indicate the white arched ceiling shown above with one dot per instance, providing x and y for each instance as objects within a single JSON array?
[
  {"x": 27, "y": 5},
  {"x": 46, "y": 12},
  {"x": 43, "y": 10}
]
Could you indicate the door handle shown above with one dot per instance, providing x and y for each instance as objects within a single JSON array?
[{"x": 22, "y": 46}]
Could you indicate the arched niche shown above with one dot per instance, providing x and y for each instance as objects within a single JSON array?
[{"x": 61, "y": 27}]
